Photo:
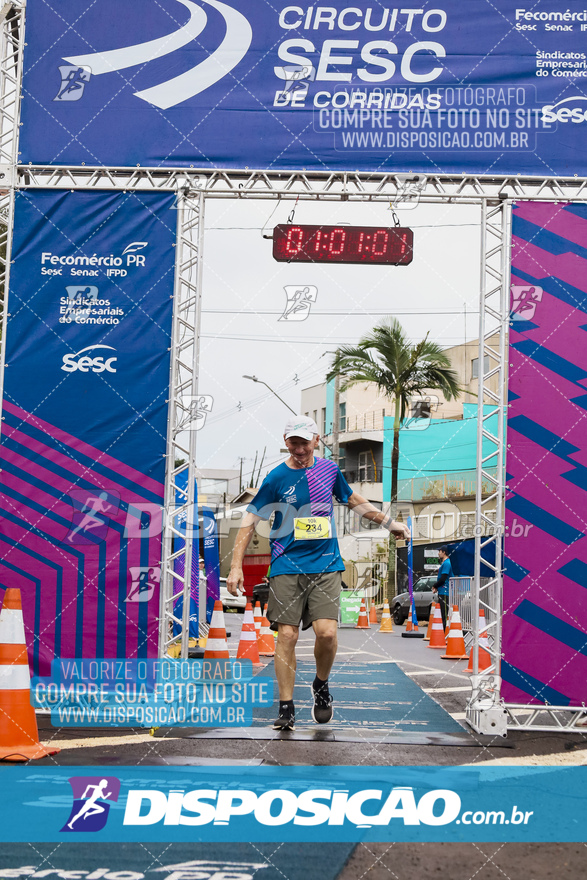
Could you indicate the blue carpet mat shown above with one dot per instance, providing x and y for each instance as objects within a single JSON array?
[
  {"x": 260, "y": 861},
  {"x": 377, "y": 697}
]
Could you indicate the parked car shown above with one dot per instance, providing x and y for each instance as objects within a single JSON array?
[
  {"x": 400, "y": 608},
  {"x": 234, "y": 603}
]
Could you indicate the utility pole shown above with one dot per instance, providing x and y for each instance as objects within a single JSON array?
[
  {"x": 336, "y": 420},
  {"x": 260, "y": 467}
]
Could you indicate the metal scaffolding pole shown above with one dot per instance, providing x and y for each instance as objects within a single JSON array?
[
  {"x": 485, "y": 713},
  {"x": 181, "y": 518},
  {"x": 11, "y": 48}
]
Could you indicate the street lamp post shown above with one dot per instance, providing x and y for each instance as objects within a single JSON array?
[{"x": 254, "y": 379}]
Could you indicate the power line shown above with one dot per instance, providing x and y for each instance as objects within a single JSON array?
[
  {"x": 260, "y": 228},
  {"x": 316, "y": 340},
  {"x": 418, "y": 312}
]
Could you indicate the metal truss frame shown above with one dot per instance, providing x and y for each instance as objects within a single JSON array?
[
  {"x": 486, "y": 712},
  {"x": 11, "y": 49},
  {"x": 312, "y": 185},
  {"x": 181, "y": 517}
]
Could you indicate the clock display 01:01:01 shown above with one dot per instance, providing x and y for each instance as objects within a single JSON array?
[{"x": 376, "y": 245}]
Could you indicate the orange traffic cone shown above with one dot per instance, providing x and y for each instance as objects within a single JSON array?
[
  {"x": 216, "y": 646},
  {"x": 437, "y": 639},
  {"x": 19, "y": 734},
  {"x": 455, "y": 644},
  {"x": 484, "y": 655},
  {"x": 258, "y": 618},
  {"x": 266, "y": 640},
  {"x": 448, "y": 621},
  {"x": 410, "y": 625},
  {"x": 430, "y": 619},
  {"x": 372, "y": 613},
  {"x": 363, "y": 621},
  {"x": 247, "y": 646},
  {"x": 386, "y": 626}
]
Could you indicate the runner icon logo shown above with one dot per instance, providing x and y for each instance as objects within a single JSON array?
[
  {"x": 299, "y": 302},
  {"x": 90, "y": 802},
  {"x": 92, "y": 511},
  {"x": 144, "y": 579},
  {"x": 525, "y": 298},
  {"x": 74, "y": 80}
]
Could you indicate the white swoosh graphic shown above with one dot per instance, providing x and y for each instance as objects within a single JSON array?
[
  {"x": 232, "y": 50},
  {"x": 130, "y": 56}
]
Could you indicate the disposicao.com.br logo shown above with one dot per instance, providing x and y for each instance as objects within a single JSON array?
[{"x": 320, "y": 806}]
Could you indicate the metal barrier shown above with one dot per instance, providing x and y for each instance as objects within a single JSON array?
[{"x": 459, "y": 593}]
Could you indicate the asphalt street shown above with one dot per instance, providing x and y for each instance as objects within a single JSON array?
[{"x": 442, "y": 680}]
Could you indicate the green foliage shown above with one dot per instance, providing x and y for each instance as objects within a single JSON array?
[{"x": 399, "y": 369}]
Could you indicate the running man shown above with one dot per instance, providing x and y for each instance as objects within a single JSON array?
[
  {"x": 306, "y": 564},
  {"x": 90, "y": 807}
]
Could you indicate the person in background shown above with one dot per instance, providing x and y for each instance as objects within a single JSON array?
[{"x": 445, "y": 573}]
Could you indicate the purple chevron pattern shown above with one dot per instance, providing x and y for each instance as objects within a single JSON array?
[
  {"x": 77, "y": 593},
  {"x": 320, "y": 482},
  {"x": 545, "y": 587}
]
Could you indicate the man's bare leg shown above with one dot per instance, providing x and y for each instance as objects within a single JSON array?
[
  {"x": 324, "y": 652},
  {"x": 285, "y": 660},
  {"x": 325, "y": 646}
]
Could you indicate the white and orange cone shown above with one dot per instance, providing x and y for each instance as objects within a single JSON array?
[
  {"x": 216, "y": 644},
  {"x": 386, "y": 626},
  {"x": 410, "y": 625},
  {"x": 372, "y": 613},
  {"x": 484, "y": 655},
  {"x": 363, "y": 621},
  {"x": 430, "y": 621},
  {"x": 437, "y": 639},
  {"x": 19, "y": 734},
  {"x": 258, "y": 615},
  {"x": 266, "y": 639},
  {"x": 247, "y": 646},
  {"x": 455, "y": 644},
  {"x": 448, "y": 621}
]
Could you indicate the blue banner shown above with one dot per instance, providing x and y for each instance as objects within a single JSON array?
[
  {"x": 470, "y": 87},
  {"x": 304, "y": 804},
  {"x": 85, "y": 420},
  {"x": 211, "y": 559}
]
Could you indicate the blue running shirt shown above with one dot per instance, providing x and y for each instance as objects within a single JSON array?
[
  {"x": 445, "y": 568},
  {"x": 300, "y": 492}
]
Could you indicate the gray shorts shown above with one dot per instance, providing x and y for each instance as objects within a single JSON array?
[{"x": 304, "y": 597}]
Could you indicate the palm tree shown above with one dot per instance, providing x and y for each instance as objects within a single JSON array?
[{"x": 386, "y": 358}]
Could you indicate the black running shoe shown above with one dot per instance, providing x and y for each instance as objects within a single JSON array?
[
  {"x": 285, "y": 721},
  {"x": 322, "y": 708}
]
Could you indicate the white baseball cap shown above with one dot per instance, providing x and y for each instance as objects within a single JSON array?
[{"x": 300, "y": 426}]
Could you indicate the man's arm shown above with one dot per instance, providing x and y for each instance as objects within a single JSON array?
[
  {"x": 360, "y": 505},
  {"x": 235, "y": 579}
]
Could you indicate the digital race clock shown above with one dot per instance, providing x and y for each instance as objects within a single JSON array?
[{"x": 380, "y": 245}]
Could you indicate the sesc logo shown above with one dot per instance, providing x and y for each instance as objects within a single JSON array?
[
  {"x": 560, "y": 113},
  {"x": 87, "y": 363}
]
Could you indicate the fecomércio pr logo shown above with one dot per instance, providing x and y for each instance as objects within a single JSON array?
[{"x": 91, "y": 796}]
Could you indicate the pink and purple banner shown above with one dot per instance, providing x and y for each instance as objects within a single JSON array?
[{"x": 545, "y": 586}]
